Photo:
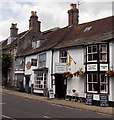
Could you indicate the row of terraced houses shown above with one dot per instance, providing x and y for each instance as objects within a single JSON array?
[{"x": 77, "y": 57}]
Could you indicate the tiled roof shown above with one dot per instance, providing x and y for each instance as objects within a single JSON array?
[
  {"x": 100, "y": 30},
  {"x": 4, "y": 43},
  {"x": 51, "y": 40},
  {"x": 87, "y": 33}
]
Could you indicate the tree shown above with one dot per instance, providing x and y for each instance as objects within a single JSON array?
[{"x": 5, "y": 62}]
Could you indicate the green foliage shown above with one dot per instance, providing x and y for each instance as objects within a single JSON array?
[
  {"x": 4, "y": 81},
  {"x": 6, "y": 60}
]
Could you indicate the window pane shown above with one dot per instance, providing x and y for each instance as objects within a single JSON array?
[
  {"x": 103, "y": 48},
  {"x": 90, "y": 86},
  {"x": 103, "y": 56},
  {"x": 89, "y": 78},
  {"x": 95, "y": 87},
  {"x": 94, "y": 78},
  {"x": 90, "y": 57},
  {"x": 94, "y": 48},
  {"x": 89, "y": 49},
  {"x": 95, "y": 56}
]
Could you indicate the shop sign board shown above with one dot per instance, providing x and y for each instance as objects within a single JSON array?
[
  {"x": 89, "y": 99},
  {"x": 51, "y": 94},
  {"x": 104, "y": 100},
  {"x": 92, "y": 67},
  {"x": 60, "y": 67},
  {"x": 103, "y": 67}
]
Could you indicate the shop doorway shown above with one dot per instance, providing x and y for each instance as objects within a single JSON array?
[
  {"x": 27, "y": 80},
  {"x": 60, "y": 86}
]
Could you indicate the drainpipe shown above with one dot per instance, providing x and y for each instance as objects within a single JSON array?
[{"x": 52, "y": 70}]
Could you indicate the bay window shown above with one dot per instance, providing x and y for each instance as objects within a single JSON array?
[{"x": 97, "y": 55}]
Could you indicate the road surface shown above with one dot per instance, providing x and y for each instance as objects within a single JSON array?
[{"x": 14, "y": 107}]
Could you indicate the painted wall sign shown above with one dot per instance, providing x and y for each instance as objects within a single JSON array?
[
  {"x": 28, "y": 65},
  {"x": 104, "y": 100},
  {"x": 92, "y": 67},
  {"x": 103, "y": 67},
  {"x": 60, "y": 67}
]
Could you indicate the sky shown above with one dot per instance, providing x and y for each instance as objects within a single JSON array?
[{"x": 51, "y": 13}]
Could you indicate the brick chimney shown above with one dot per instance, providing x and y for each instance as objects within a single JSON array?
[
  {"x": 73, "y": 15},
  {"x": 13, "y": 29},
  {"x": 33, "y": 22}
]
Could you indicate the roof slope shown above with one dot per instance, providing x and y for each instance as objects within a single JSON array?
[
  {"x": 4, "y": 43},
  {"x": 50, "y": 40},
  {"x": 87, "y": 33},
  {"x": 100, "y": 30}
]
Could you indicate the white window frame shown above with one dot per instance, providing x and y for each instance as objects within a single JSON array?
[
  {"x": 40, "y": 62},
  {"x": 62, "y": 57},
  {"x": 91, "y": 83},
  {"x": 40, "y": 79},
  {"x": 91, "y": 53},
  {"x": 105, "y": 82},
  {"x": 103, "y": 53}
]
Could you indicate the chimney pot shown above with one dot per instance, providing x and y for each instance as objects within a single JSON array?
[
  {"x": 73, "y": 15},
  {"x": 13, "y": 29}
]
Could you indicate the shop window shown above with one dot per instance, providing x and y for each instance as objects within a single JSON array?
[
  {"x": 103, "y": 53},
  {"x": 92, "y": 82},
  {"x": 63, "y": 56},
  {"x": 40, "y": 80},
  {"x": 103, "y": 83},
  {"x": 42, "y": 60},
  {"x": 33, "y": 62},
  {"x": 92, "y": 53}
]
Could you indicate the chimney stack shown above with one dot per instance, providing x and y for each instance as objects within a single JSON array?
[
  {"x": 13, "y": 29},
  {"x": 33, "y": 22},
  {"x": 73, "y": 15}
]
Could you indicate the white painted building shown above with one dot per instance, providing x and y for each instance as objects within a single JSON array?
[{"x": 84, "y": 52}]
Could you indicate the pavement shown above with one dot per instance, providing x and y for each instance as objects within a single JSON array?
[{"x": 62, "y": 102}]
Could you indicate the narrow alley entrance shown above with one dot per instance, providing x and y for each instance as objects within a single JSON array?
[{"x": 27, "y": 80}]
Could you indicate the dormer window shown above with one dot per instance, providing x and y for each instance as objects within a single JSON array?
[
  {"x": 10, "y": 40},
  {"x": 37, "y": 43},
  {"x": 87, "y": 29}
]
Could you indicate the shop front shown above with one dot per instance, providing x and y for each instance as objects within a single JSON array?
[{"x": 40, "y": 80}]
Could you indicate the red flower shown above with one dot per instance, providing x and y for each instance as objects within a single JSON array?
[
  {"x": 79, "y": 73},
  {"x": 67, "y": 74},
  {"x": 109, "y": 73}
]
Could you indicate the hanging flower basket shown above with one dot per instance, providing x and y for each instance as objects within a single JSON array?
[
  {"x": 79, "y": 73},
  {"x": 67, "y": 75},
  {"x": 109, "y": 73}
]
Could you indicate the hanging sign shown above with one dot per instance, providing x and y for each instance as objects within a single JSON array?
[{"x": 28, "y": 65}]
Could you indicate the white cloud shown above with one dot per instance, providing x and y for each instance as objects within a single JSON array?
[{"x": 51, "y": 13}]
